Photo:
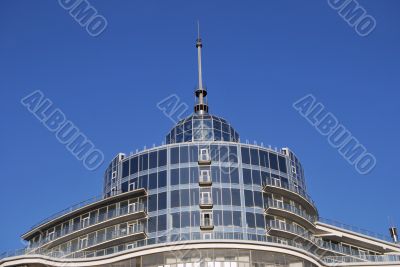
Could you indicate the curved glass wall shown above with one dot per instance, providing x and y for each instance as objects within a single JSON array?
[{"x": 199, "y": 127}]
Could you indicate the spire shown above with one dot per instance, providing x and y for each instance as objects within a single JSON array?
[{"x": 201, "y": 107}]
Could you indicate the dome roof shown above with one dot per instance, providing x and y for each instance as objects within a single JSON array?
[{"x": 202, "y": 127}]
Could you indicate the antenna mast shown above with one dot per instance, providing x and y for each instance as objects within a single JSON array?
[{"x": 201, "y": 107}]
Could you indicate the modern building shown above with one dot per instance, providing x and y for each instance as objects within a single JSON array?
[{"x": 201, "y": 200}]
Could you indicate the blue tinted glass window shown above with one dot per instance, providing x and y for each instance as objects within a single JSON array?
[
  {"x": 264, "y": 159},
  {"x": 125, "y": 168},
  {"x": 152, "y": 224},
  {"x": 184, "y": 176},
  {"x": 236, "y": 197},
  {"x": 233, "y": 154},
  {"x": 184, "y": 154},
  {"x": 174, "y": 198},
  {"x": 258, "y": 200},
  {"x": 184, "y": 197},
  {"x": 224, "y": 153},
  {"x": 217, "y": 216},
  {"x": 153, "y": 160},
  {"x": 152, "y": 203},
  {"x": 256, "y": 177},
  {"x": 194, "y": 153},
  {"x": 254, "y": 156},
  {"x": 144, "y": 162},
  {"x": 217, "y": 135},
  {"x": 162, "y": 179},
  {"x": 124, "y": 187},
  {"x": 188, "y": 125},
  {"x": 226, "y": 196},
  {"x": 250, "y": 220},
  {"x": 225, "y": 127},
  {"x": 194, "y": 197},
  {"x": 248, "y": 198},
  {"x": 143, "y": 181},
  {"x": 162, "y": 158},
  {"x": 245, "y": 155},
  {"x": 247, "y": 176},
  {"x": 273, "y": 161},
  {"x": 214, "y": 152},
  {"x": 217, "y": 125},
  {"x": 282, "y": 164},
  {"x": 175, "y": 177},
  {"x": 134, "y": 165},
  {"x": 185, "y": 219},
  {"x": 237, "y": 218},
  {"x": 187, "y": 137},
  {"x": 215, "y": 174},
  {"x": 225, "y": 175},
  {"x": 234, "y": 175},
  {"x": 264, "y": 177},
  {"x": 216, "y": 196},
  {"x": 195, "y": 216},
  {"x": 227, "y": 218},
  {"x": 226, "y": 137},
  {"x": 153, "y": 181},
  {"x": 194, "y": 175},
  {"x": 260, "y": 222},
  {"x": 175, "y": 155},
  {"x": 179, "y": 138},
  {"x": 162, "y": 201},
  {"x": 176, "y": 220},
  {"x": 162, "y": 222}
]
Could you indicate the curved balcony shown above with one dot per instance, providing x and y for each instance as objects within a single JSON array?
[
  {"x": 292, "y": 232},
  {"x": 281, "y": 209},
  {"x": 100, "y": 221},
  {"x": 291, "y": 192}
]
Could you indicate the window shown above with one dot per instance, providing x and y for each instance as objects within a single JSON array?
[
  {"x": 185, "y": 219},
  {"x": 225, "y": 175},
  {"x": 254, "y": 157},
  {"x": 245, "y": 155},
  {"x": 162, "y": 158},
  {"x": 237, "y": 218},
  {"x": 174, "y": 198},
  {"x": 144, "y": 162},
  {"x": 125, "y": 168},
  {"x": 260, "y": 222},
  {"x": 175, "y": 177},
  {"x": 248, "y": 198},
  {"x": 143, "y": 181},
  {"x": 206, "y": 219},
  {"x": 258, "y": 200},
  {"x": 162, "y": 179},
  {"x": 153, "y": 160},
  {"x": 175, "y": 155},
  {"x": 83, "y": 241},
  {"x": 184, "y": 176},
  {"x": 223, "y": 150},
  {"x": 184, "y": 197},
  {"x": 273, "y": 160},
  {"x": 256, "y": 177},
  {"x": 153, "y": 181},
  {"x": 162, "y": 201},
  {"x": 194, "y": 197},
  {"x": 184, "y": 154},
  {"x": 226, "y": 196},
  {"x": 195, "y": 218},
  {"x": 236, "y": 197},
  {"x": 162, "y": 222},
  {"x": 250, "y": 220},
  {"x": 152, "y": 200},
  {"x": 204, "y": 155},
  {"x": 247, "y": 176},
  {"x": 193, "y": 153},
  {"x": 216, "y": 194},
  {"x": 132, "y": 185},
  {"x": 264, "y": 159},
  {"x": 176, "y": 220},
  {"x": 233, "y": 154},
  {"x": 282, "y": 164},
  {"x": 205, "y": 176},
  {"x": 227, "y": 215},
  {"x": 205, "y": 196},
  {"x": 234, "y": 175}
]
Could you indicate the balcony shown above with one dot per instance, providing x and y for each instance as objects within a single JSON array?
[
  {"x": 292, "y": 232},
  {"x": 130, "y": 212},
  {"x": 204, "y": 157},
  {"x": 206, "y": 202},
  {"x": 275, "y": 186},
  {"x": 205, "y": 178},
  {"x": 278, "y": 208},
  {"x": 206, "y": 224}
]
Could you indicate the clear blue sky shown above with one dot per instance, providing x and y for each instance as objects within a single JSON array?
[{"x": 259, "y": 57}]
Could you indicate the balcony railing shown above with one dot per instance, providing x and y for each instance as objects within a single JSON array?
[
  {"x": 329, "y": 260},
  {"x": 356, "y": 229},
  {"x": 206, "y": 201},
  {"x": 296, "y": 230},
  {"x": 334, "y": 260},
  {"x": 290, "y": 208},
  {"x": 206, "y": 223},
  {"x": 286, "y": 186},
  {"x": 131, "y": 209}
]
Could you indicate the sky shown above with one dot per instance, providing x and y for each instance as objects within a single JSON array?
[{"x": 259, "y": 57}]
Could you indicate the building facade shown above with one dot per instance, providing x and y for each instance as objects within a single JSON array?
[{"x": 204, "y": 199}]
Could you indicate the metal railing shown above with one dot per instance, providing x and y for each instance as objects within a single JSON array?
[
  {"x": 294, "y": 189},
  {"x": 366, "y": 258},
  {"x": 99, "y": 218},
  {"x": 356, "y": 229},
  {"x": 290, "y": 208},
  {"x": 206, "y": 201}
]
